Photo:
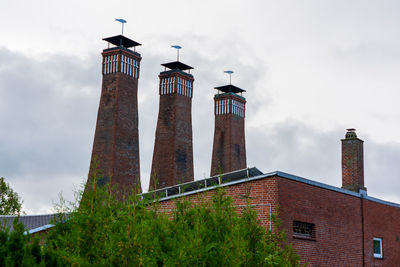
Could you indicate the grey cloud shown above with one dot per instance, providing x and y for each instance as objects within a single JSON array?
[
  {"x": 291, "y": 146},
  {"x": 48, "y": 111},
  {"x": 382, "y": 169},
  {"x": 45, "y": 124}
]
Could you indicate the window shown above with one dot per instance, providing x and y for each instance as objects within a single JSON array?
[
  {"x": 378, "y": 248},
  {"x": 303, "y": 229}
]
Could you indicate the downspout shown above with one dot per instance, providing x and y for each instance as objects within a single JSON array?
[{"x": 362, "y": 228}]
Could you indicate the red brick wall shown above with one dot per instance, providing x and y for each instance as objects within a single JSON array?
[
  {"x": 337, "y": 220},
  {"x": 263, "y": 197},
  {"x": 381, "y": 221}
]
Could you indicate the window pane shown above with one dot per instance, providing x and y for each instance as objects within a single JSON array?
[
  {"x": 377, "y": 247},
  {"x": 378, "y": 253}
]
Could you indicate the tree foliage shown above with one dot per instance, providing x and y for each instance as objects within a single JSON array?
[
  {"x": 17, "y": 248},
  {"x": 10, "y": 203},
  {"x": 105, "y": 231}
]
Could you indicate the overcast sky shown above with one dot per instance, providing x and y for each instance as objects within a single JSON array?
[{"x": 311, "y": 69}]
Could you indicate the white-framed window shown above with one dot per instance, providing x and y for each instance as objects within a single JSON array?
[{"x": 378, "y": 253}]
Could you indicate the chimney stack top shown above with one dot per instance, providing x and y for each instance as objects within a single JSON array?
[{"x": 351, "y": 133}]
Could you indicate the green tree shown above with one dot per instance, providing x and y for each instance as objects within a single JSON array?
[
  {"x": 10, "y": 202},
  {"x": 102, "y": 230},
  {"x": 17, "y": 248}
]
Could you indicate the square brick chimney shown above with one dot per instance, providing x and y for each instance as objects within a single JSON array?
[
  {"x": 352, "y": 162},
  {"x": 229, "y": 148},
  {"x": 173, "y": 148},
  {"x": 116, "y": 140}
]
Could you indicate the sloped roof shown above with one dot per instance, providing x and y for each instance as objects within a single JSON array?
[
  {"x": 204, "y": 184},
  {"x": 30, "y": 222},
  {"x": 37, "y": 223},
  {"x": 246, "y": 175}
]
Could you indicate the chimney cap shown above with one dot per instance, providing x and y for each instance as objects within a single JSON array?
[
  {"x": 230, "y": 89},
  {"x": 120, "y": 40},
  {"x": 351, "y": 133},
  {"x": 177, "y": 65}
]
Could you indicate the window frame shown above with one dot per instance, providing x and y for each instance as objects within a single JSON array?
[{"x": 380, "y": 240}]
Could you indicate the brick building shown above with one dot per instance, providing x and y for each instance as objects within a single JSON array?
[{"x": 327, "y": 225}]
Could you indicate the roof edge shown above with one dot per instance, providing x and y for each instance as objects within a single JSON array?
[
  {"x": 41, "y": 228},
  {"x": 290, "y": 177},
  {"x": 26, "y": 215}
]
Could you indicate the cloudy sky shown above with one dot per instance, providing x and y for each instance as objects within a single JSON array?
[{"x": 311, "y": 69}]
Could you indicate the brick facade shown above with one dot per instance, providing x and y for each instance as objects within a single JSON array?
[
  {"x": 335, "y": 216},
  {"x": 173, "y": 148},
  {"x": 381, "y": 221},
  {"x": 344, "y": 222},
  {"x": 229, "y": 148},
  {"x": 116, "y": 140}
]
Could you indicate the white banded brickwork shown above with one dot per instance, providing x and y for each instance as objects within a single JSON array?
[
  {"x": 170, "y": 85},
  {"x": 229, "y": 106},
  {"x": 121, "y": 63}
]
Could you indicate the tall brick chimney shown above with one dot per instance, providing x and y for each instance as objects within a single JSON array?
[
  {"x": 116, "y": 140},
  {"x": 229, "y": 149},
  {"x": 352, "y": 162},
  {"x": 173, "y": 149}
]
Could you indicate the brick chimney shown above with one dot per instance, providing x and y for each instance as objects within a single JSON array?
[
  {"x": 116, "y": 140},
  {"x": 229, "y": 148},
  {"x": 173, "y": 149},
  {"x": 352, "y": 162}
]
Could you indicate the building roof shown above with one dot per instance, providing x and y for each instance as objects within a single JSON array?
[
  {"x": 37, "y": 223},
  {"x": 31, "y": 222},
  {"x": 177, "y": 65},
  {"x": 120, "y": 40},
  {"x": 208, "y": 183},
  {"x": 241, "y": 176},
  {"x": 230, "y": 88}
]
